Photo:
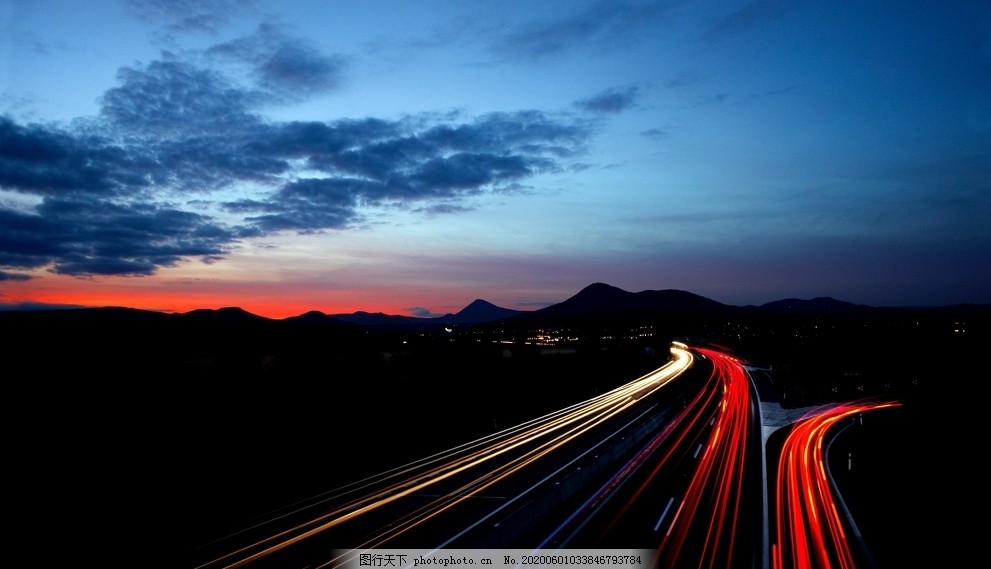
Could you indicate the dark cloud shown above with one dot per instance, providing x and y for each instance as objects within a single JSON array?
[
  {"x": 169, "y": 129},
  {"x": 283, "y": 64},
  {"x": 603, "y": 24},
  {"x": 421, "y": 312},
  {"x": 299, "y": 139},
  {"x": 26, "y": 240},
  {"x": 611, "y": 101},
  {"x": 378, "y": 160},
  {"x": 467, "y": 170},
  {"x": 46, "y": 161},
  {"x": 172, "y": 98},
  {"x": 189, "y": 15},
  {"x": 8, "y": 276},
  {"x": 102, "y": 238},
  {"x": 307, "y": 205},
  {"x": 373, "y": 162},
  {"x": 529, "y": 132},
  {"x": 295, "y": 67},
  {"x": 215, "y": 161},
  {"x": 36, "y": 305}
]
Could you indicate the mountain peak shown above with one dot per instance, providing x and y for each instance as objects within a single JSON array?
[
  {"x": 228, "y": 313},
  {"x": 600, "y": 298},
  {"x": 480, "y": 311},
  {"x": 599, "y": 287},
  {"x": 599, "y": 292}
]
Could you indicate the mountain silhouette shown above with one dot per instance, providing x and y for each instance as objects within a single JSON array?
[
  {"x": 601, "y": 298},
  {"x": 479, "y": 311},
  {"x": 595, "y": 300},
  {"x": 227, "y": 314}
]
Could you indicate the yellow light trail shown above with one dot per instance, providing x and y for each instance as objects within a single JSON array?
[{"x": 558, "y": 428}]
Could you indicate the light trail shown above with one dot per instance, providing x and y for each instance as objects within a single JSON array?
[
  {"x": 493, "y": 458},
  {"x": 810, "y": 531},
  {"x": 705, "y": 535},
  {"x": 710, "y": 433}
]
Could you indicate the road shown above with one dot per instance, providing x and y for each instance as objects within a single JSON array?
[
  {"x": 672, "y": 462},
  {"x": 486, "y": 493},
  {"x": 687, "y": 493},
  {"x": 812, "y": 527}
]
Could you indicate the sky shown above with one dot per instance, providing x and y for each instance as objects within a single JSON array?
[{"x": 411, "y": 157}]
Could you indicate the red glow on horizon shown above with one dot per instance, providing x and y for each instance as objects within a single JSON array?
[
  {"x": 172, "y": 303},
  {"x": 260, "y": 300}
]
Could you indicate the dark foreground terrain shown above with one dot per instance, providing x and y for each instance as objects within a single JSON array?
[{"x": 132, "y": 441}]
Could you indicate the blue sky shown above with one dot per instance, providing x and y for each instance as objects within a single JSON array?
[{"x": 409, "y": 157}]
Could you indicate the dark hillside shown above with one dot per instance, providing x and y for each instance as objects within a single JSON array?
[{"x": 215, "y": 417}]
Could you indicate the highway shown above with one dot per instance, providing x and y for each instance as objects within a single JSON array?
[
  {"x": 690, "y": 490},
  {"x": 672, "y": 462},
  {"x": 486, "y": 493},
  {"x": 811, "y": 530}
]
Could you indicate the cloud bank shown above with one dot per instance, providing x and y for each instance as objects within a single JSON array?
[{"x": 110, "y": 195}]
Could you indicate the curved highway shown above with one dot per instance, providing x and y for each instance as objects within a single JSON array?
[
  {"x": 487, "y": 493},
  {"x": 672, "y": 462},
  {"x": 811, "y": 529}
]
